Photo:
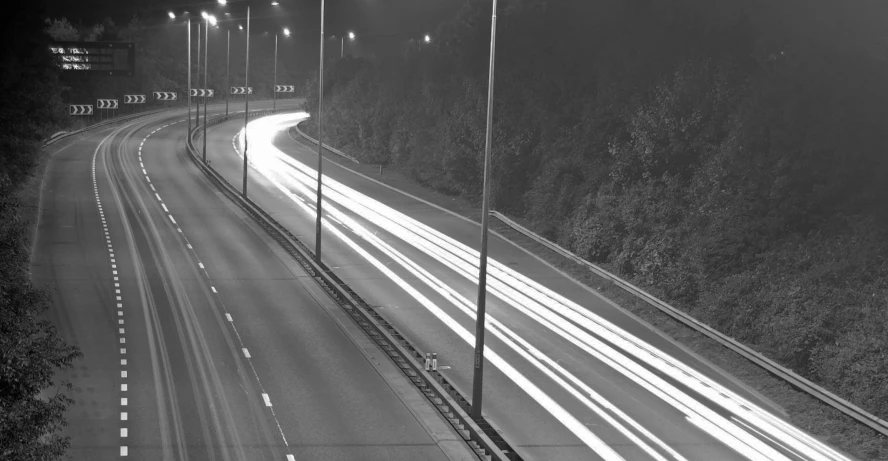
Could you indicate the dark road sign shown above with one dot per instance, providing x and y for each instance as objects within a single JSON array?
[
  {"x": 81, "y": 109},
  {"x": 111, "y": 58}
]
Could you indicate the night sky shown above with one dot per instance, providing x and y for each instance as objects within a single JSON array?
[{"x": 368, "y": 18}]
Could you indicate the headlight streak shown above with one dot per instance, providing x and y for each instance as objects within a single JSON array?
[
  {"x": 464, "y": 259},
  {"x": 745, "y": 443}
]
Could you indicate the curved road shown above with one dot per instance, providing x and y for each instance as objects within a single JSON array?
[
  {"x": 569, "y": 375},
  {"x": 201, "y": 338}
]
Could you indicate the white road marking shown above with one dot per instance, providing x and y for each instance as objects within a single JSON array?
[
  {"x": 246, "y": 353},
  {"x": 172, "y": 219},
  {"x": 123, "y": 432},
  {"x": 164, "y": 207},
  {"x": 123, "y": 401},
  {"x": 267, "y": 400},
  {"x": 123, "y": 416},
  {"x": 228, "y": 317},
  {"x": 124, "y": 451},
  {"x": 214, "y": 289},
  {"x": 201, "y": 265}
]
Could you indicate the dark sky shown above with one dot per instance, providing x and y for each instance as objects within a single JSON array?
[{"x": 367, "y": 18}]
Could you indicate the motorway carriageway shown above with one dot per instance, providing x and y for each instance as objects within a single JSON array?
[
  {"x": 202, "y": 338},
  {"x": 569, "y": 375}
]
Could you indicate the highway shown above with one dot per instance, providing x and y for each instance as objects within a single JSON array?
[
  {"x": 569, "y": 375},
  {"x": 202, "y": 339}
]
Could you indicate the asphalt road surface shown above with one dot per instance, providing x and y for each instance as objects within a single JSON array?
[
  {"x": 202, "y": 339},
  {"x": 568, "y": 376}
]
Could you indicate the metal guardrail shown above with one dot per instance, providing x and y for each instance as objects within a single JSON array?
[
  {"x": 327, "y": 147},
  {"x": 480, "y": 435},
  {"x": 848, "y": 408}
]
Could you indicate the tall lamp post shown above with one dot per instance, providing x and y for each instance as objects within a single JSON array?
[
  {"x": 197, "y": 112},
  {"x": 274, "y": 77},
  {"x": 209, "y": 20},
  {"x": 227, "y": 69},
  {"x": 351, "y": 36},
  {"x": 478, "y": 375},
  {"x": 246, "y": 100},
  {"x": 320, "y": 142}
]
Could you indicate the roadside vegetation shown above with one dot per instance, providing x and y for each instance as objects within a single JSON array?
[
  {"x": 32, "y": 402},
  {"x": 728, "y": 157}
]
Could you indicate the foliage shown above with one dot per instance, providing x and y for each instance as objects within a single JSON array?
[
  {"x": 728, "y": 156},
  {"x": 31, "y": 407}
]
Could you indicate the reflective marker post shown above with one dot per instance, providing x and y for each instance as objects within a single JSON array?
[{"x": 478, "y": 375}]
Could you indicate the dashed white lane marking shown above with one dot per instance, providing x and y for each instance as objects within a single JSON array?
[
  {"x": 265, "y": 396},
  {"x": 124, "y": 432}
]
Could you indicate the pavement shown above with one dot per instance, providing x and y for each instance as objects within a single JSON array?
[{"x": 201, "y": 338}]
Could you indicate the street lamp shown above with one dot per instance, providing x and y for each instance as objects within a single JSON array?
[
  {"x": 246, "y": 100},
  {"x": 320, "y": 142},
  {"x": 274, "y": 78},
  {"x": 427, "y": 39},
  {"x": 171, "y": 15},
  {"x": 478, "y": 372},
  {"x": 351, "y": 36},
  {"x": 209, "y": 20}
]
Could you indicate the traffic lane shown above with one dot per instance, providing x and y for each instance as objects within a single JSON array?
[
  {"x": 614, "y": 387},
  {"x": 535, "y": 427},
  {"x": 188, "y": 395},
  {"x": 330, "y": 401},
  {"x": 69, "y": 258},
  {"x": 508, "y": 254}
]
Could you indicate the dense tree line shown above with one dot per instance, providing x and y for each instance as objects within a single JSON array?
[
  {"x": 728, "y": 156},
  {"x": 32, "y": 403}
]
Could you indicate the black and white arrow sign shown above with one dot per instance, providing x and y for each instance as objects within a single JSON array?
[
  {"x": 134, "y": 99},
  {"x": 81, "y": 109},
  {"x": 242, "y": 90},
  {"x": 166, "y": 96},
  {"x": 202, "y": 92},
  {"x": 285, "y": 88},
  {"x": 106, "y": 104}
]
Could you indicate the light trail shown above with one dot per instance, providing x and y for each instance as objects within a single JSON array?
[{"x": 549, "y": 309}]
